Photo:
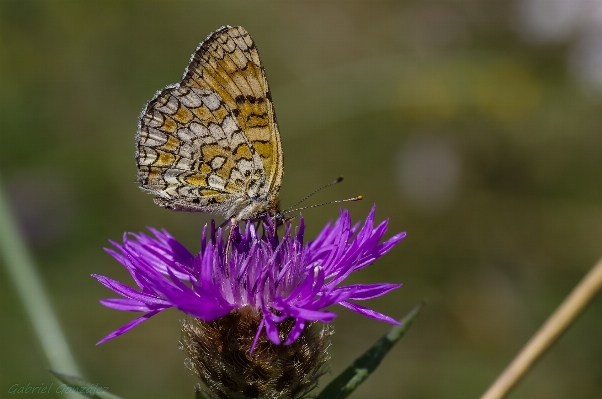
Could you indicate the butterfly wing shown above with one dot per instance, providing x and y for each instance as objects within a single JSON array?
[
  {"x": 211, "y": 142},
  {"x": 228, "y": 63}
]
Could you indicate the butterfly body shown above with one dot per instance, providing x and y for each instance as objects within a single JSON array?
[
  {"x": 239, "y": 209},
  {"x": 210, "y": 143}
]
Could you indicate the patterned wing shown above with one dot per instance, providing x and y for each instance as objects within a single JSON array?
[
  {"x": 228, "y": 63},
  {"x": 211, "y": 142}
]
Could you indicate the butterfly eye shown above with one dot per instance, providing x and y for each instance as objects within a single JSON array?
[{"x": 247, "y": 173}]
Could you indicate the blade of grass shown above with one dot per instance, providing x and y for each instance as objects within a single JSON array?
[
  {"x": 21, "y": 269},
  {"x": 83, "y": 387},
  {"x": 362, "y": 367}
]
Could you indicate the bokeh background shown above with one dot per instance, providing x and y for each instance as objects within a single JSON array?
[{"x": 474, "y": 125}]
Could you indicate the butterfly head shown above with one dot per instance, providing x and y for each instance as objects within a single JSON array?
[{"x": 280, "y": 218}]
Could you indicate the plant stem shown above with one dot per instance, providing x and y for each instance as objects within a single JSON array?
[{"x": 558, "y": 322}]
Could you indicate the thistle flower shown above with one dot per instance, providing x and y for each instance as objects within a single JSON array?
[{"x": 265, "y": 284}]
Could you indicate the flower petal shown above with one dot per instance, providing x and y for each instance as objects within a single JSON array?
[
  {"x": 128, "y": 326},
  {"x": 368, "y": 312}
]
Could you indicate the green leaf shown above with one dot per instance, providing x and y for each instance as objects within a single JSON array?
[
  {"x": 198, "y": 394},
  {"x": 83, "y": 387},
  {"x": 362, "y": 367}
]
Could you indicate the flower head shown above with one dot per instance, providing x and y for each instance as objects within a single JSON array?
[{"x": 277, "y": 279}]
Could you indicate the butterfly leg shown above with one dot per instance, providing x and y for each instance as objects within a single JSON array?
[{"x": 232, "y": 224}]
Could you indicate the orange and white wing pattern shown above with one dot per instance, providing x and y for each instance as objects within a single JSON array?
[{"x": 211, "y": 143}]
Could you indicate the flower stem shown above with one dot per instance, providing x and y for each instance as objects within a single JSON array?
[{"x": 560, "y": 320}]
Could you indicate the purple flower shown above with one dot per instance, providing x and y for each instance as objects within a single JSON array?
[{"x": 279, "y": 278}]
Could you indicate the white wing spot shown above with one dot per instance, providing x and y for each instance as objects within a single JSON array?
[
  {"x": 199, "y": 130},
  {"x": 147, "y": 156},
  {"x": 171, "y": 107},
  {"x": 191, "y": 100},
  {"x": 244, "y": 165},
  {"x": 229, "y": 126},
  {"x": 154, "y": 120},
  {"x": 216, "y": 131},
  {"x": 153, "y": 138},
  {"x": 212, "y": 101},
  {"x": 184, "y": 164},
  {"x": 216, "y": 182},
  {"x": 217, "y": 162}
]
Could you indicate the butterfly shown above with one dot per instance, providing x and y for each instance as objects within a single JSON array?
[{"x": 210, "y": 143}]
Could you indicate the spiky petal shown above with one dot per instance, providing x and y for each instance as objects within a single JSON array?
[{"x": 278, "y": 278}]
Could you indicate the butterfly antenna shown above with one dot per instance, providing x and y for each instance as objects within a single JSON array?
[
  {"x": 332, "y": 183},
  {"x": 358, "y": 198}
]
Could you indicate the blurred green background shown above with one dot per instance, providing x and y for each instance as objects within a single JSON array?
[{"x": 475, "y": 127}]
